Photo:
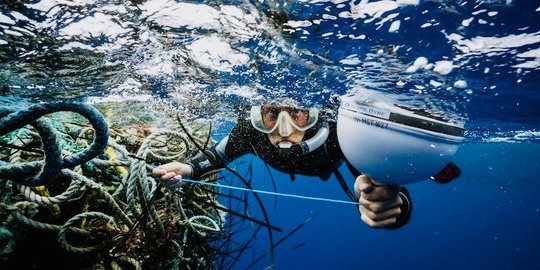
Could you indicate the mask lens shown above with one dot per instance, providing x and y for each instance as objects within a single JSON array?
[
  {"x": 299, "y": 117},
  {"x": 265, "y": 118},
  {"x": 270, "y": 116}
]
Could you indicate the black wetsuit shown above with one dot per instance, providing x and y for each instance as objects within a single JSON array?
[{"x": 322, "y": 162}]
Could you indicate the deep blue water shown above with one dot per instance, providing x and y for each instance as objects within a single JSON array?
[
  {"x": 486, "y": 219},
  {"x": 161, "y": 52}
]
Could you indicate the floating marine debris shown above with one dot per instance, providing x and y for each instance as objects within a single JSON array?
[{"x": 102, "y": 210}]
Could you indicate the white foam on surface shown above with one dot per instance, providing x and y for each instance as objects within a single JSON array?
[
  {"x": 467, "y": 22},
  {"x": 351, "y": 60},
  {"x": 23, "y": 30},
  {"x": 513, "y": 136},
  {"x": 96, "y": 25},
  {"x": 75, "y": 45},
  {"x": 298, "y": 24},
  {"x": 216, "y": 54},
  {"x": 460, "y": 84},
  {"x": 47, "y": 5},
  {"x": 408, "y": 2},
  {"x": 19, "y": 16},
  {"x": 530, "y": 63},
  {"x": 13, "y": 33},
  {"x": 366, "y": 9},
  {"x": 6, "y": 20},
  {"x": 491, "y": 46},
  {"x": 419, "y": 63},
  {"x": 443, "y": 67},
  {"x": 329, "y": 17},
  {"x": 435, "y": 83},
  {"x": 227, "y": 18},
  {"x": 175, "y": 14},
  {"x": 324, "y": 35},
  {"x": 158, "y": 64},
  {"x": 242, "y": 91},
  {"x": 394, "y": 27},
  {"x": 534, "y": 53},
  {"x": 479, "y": 11},
  {"x": 118, "y": 98},
  {"x": 482, "y": 44}
]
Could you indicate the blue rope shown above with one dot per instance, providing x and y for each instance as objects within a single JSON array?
[
  {"x": 180, "y": 180},
  {"x": 53, "y": 163}
]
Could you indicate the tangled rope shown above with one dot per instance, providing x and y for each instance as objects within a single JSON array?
[
  {"x": 73, "y": 221},
  {"x": 94, "y": 204},
  {"x": 53, "y": 162}
]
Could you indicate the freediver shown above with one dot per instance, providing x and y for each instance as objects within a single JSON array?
[{"x": 296, "y": 141}]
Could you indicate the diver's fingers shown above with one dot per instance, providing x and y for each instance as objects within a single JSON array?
[
  {"x": 168, "y": 176},
  {"x": 159, "y": 171},
  {"x": 379, "y": 223},
  {"x": 380, "y": 216},
  {"x": 171, "y": 167},
  {"x": 362, "y": 185},
  {"x": 381, "y": 206},
  {"x": 381, "y": 193}
]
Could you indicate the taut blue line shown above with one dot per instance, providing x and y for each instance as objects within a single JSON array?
[{"x": 267, "y": 192}]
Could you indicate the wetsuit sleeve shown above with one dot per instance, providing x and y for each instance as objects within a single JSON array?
[
  {"x": 406, "y": 210},
  {"x": 204, "y": 162},
  {"x": 220, "y": 154}
]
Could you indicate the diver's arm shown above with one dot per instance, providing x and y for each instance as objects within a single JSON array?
[
  {"x": 208, "y": 160},
  {"x": 229, "y": 148},
  {"x": 196, "y": 166}
]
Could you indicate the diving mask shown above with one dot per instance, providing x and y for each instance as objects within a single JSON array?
[{"x": 268, "y": 118}]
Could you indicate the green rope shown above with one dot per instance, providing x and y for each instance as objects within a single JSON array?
[
  {"x": 101, "y": 193},
  {"x": 138, "y": 177},
  {"x": 48, "y": 169},
  {"x": 17, "y": 210},
  {"x": 195, "y": 217},
  {"x": 126, "y": 259},
  {"x": 72, "y": 222},
  {"x": 7, "y": 243}
]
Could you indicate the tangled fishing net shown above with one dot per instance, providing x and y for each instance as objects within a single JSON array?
[{"x": 107, "y": 212}]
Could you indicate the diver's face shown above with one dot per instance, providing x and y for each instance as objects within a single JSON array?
[
  {"x": 286, "y": 118},
  {"x": 295, "y": 137}
]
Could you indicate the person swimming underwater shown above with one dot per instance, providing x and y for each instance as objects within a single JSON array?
[{"x": 296, "y": 141}]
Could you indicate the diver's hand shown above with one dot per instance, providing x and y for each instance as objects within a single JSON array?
[
  {"x": 167, "y": 171},
  {"x": 379, "y": 205}
]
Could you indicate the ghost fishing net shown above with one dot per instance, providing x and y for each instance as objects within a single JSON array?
[{"x": 107, "y": 212}]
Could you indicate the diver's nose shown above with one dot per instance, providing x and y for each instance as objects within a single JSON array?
[{"x": 285, "y": 128}]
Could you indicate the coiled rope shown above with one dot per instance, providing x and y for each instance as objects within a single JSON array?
[
  {"x": 72, "y": 222},
  {"x": 106, "y": 214},
  {"x": 138, "y": 177},
  {"x": 48, "y": 169}
]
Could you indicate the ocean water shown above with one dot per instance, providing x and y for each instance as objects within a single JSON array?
[
  {"x": 477, "y": 61},
  {"x": 486, "y": 219}
]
